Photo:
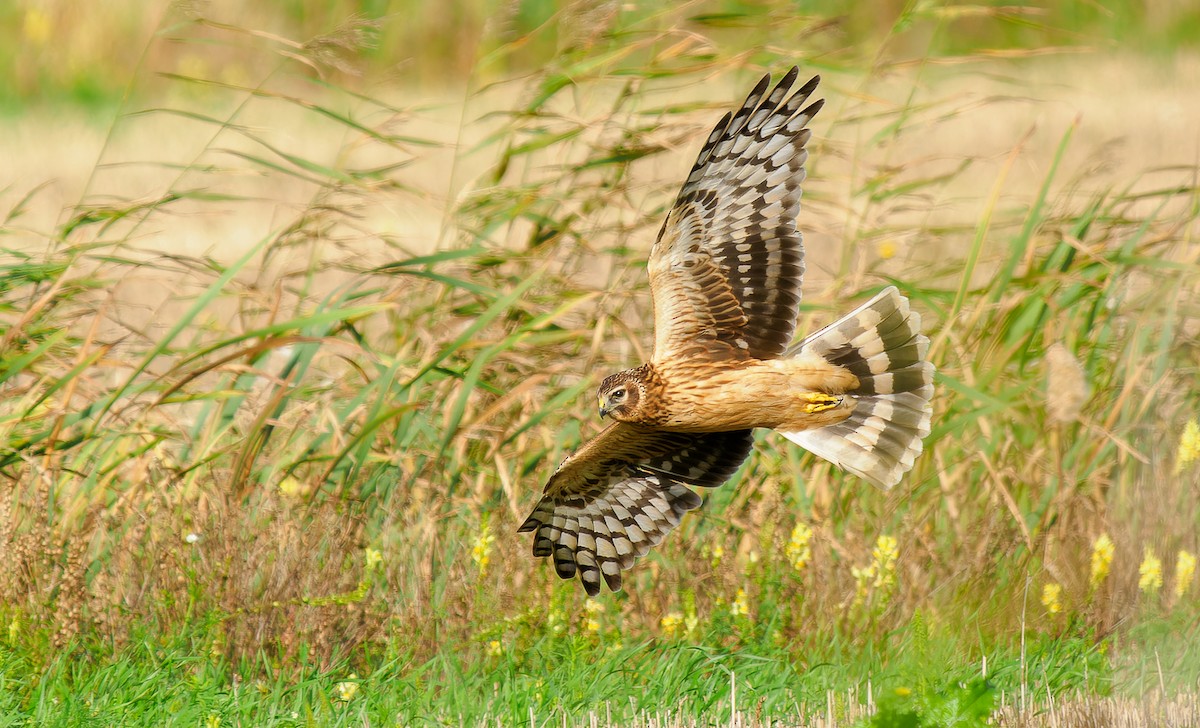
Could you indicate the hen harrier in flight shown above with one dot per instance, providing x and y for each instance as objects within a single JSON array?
[{"x": 725, "y": 277}]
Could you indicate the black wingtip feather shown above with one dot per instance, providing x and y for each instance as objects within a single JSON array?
[
  {"x": 563, "y": 565},
  {"x": 759, "y": 89},
  {"x": 784, "y": 84},
  {"x": 718, "y": 131},
  {"x": 811, "y": 110}
]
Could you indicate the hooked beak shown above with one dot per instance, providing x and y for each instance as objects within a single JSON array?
[{"x": 603, "y": 410}]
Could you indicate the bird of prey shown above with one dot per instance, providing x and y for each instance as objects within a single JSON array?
[{"x": 725, "y": 276}]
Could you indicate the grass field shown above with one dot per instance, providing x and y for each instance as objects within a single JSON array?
[{"x": 293, "y": 329}]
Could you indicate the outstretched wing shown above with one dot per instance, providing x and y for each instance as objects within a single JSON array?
[
  {"x": 725, "y": 271},
  {"x": 613, "y": 500}
]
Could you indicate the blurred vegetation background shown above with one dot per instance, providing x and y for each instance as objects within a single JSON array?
[
  {"x": 61, "y": 51},
  {"x": 300, "y": 303}
]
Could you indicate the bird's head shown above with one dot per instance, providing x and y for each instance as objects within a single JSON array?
[{"x": 621, "y": 395}]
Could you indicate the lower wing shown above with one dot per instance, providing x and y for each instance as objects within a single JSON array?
[{"x": 622, "y": 492}]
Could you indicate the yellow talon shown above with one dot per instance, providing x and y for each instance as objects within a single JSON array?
[{"x": 818, "y": 402}]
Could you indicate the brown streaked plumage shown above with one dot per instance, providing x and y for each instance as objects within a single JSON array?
[{"x": 725, "y": 275}]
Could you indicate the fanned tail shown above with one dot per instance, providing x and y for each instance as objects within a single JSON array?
[{"x": 881, "y": 343}]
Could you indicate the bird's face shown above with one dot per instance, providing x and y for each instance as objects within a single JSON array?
[{"x": 620, "y": 396}]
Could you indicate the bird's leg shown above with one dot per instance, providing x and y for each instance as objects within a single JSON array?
[
  {"x": 813, "y": 374},
  {"x": 819, "y": 402}
]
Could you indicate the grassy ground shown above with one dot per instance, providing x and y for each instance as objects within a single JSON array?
[{"x": 286, "y": 356}]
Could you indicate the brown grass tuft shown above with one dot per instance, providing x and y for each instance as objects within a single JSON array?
[{"x": 1067, "y": 389}]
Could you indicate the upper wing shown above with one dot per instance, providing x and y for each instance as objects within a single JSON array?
[
  {"x": 615, "y": 498},
  {"x": 725, "y": 271}
]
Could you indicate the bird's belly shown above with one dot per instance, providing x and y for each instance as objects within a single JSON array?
[{"x": 784, "y": 394}]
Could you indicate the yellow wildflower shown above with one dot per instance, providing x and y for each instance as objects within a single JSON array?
[
  {"x": 884, "y": 561},
  {"x": 798, "y": 550},
  {"x": 1150, "y": 578},
  {"x": 291, "y": 487},
  {"x": 495, "y": 649},
  {"x": 14, "y": 629},
  {"x": 1189, "y": 446},
  {"x": 1102, "y": 556},
  {"x": 887, "y": 249},
  {"x": 38, "y": 27},
  {"x": 212, "y": 721},
  {"x": 373, "y": 559},
  {"x": 1185, "y": 571},
  {"x": 717, "y": 553},
  {"x": 862, "y": 575},
  {"x": 592, "y": 608},
  {"x": 481, "y": 552},
  {"x": 346, "y": 689},
  {"x": 740, "y": 606},
  {"x": 670, "y": 624},
  {"x": 881, "y": 574},
  {"x": 1051, "y": 598}
]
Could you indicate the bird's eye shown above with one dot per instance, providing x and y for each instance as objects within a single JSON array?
[{"x": 619, "y": 393}]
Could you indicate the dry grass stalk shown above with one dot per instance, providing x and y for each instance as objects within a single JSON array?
[{"x": 1182, "y": 711}]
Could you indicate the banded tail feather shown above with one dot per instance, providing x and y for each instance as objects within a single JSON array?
[{"x": 882, "y": 344}]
